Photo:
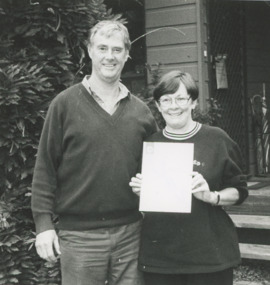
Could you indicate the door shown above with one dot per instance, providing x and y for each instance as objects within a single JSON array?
[{"x": 226, "y": 74}]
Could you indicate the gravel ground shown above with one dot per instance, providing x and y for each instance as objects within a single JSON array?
[{"x": 253, "y": 270}]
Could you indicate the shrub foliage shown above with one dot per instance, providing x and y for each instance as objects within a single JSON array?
[{"x": 42, "y": 52}]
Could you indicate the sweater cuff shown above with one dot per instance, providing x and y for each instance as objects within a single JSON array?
[
  {"x": 43, "y": 222},
  {"x": 243, "y": 194}
]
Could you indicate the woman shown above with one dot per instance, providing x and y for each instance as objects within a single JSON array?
[{"x": 199, "y": 248}]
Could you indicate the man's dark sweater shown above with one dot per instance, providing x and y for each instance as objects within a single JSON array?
[
  {"x": 204, "y": 240},
  {"x": 85, "y": 161}
]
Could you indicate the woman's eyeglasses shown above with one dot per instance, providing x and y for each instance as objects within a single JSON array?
[{"x": 167, "y": 101}]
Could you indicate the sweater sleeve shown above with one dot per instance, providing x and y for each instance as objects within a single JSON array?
[
  {"x": 153, "y": 128},
  {"x": 153, "y": 124},
  {"x": 233, "y": 171},
  {"x": 45, "y": 172}
]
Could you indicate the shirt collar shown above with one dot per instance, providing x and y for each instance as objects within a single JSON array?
[{"x": 122, "y": 94}]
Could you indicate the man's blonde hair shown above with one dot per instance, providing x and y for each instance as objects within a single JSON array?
[{"x": 108, "y": 28}]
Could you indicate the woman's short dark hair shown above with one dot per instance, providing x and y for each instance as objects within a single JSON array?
[{"x": 170, "y": 82}]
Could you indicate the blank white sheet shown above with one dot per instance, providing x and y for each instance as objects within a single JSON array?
[{"x": 167, "y": 174}]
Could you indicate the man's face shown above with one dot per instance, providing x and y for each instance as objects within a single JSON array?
[{"x": 108, "y": 56}]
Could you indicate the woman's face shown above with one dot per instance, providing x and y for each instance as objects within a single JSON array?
[{"x": 176, "y": 109}]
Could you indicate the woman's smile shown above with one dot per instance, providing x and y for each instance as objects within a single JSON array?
[
  {"x": 178, "y": 118},
  {"x": 175, "y": 114}
]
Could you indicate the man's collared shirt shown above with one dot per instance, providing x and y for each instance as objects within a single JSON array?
[{"x": 123, "y": 92}]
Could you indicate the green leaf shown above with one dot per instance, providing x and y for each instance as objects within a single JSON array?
[
  {"x": 3, "y": 281},
  {"x": 13, "y": 280},
  {"x": 32, "y": 32},
  {"x": 14, "y": 272}
]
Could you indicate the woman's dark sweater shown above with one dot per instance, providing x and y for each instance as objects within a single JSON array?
[{"x": 204, "y": 240}]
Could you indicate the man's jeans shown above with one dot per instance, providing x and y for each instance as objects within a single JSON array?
[{"x": 101, "y": 256}]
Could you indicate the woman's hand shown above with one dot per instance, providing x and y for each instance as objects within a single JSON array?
[
  {"x": 200, "y": 189},
  {"x": 136, "y": 183}
]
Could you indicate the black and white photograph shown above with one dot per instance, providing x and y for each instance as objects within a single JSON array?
[{"x": 134, "y": 142}]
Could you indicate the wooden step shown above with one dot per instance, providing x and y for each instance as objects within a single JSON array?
[
  {"x": 255, "y": 251},
  {"x": 241, "y": 282},
  {"x": 257, "y": 203},
  {"x": 251, "y": 221}
]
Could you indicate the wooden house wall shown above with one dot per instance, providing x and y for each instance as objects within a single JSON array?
[
  {"x": 173, "y": 49},
  {"x": 257, "y": 43}
]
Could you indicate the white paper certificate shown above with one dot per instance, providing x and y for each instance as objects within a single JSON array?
[{"x": 166, "y": 171}]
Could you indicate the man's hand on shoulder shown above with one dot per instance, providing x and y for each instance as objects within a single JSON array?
[{"x": 47, "y": 244}]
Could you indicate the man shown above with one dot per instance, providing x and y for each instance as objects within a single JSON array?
[{"x": 89, "y": 149}]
